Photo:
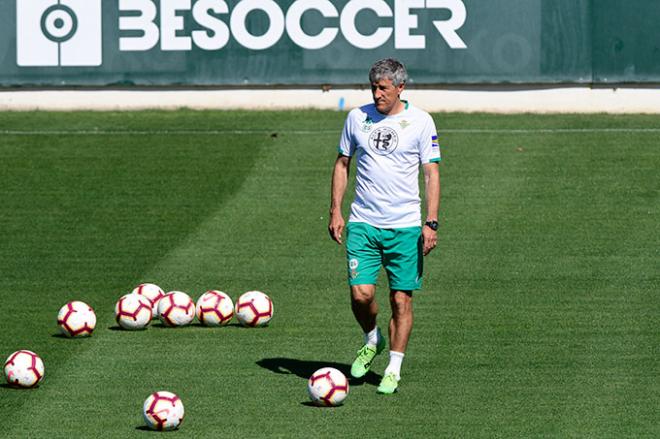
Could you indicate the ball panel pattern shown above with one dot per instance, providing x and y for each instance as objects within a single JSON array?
[
  {"x": 254, "y": 308},
  {"x": 176, "y": 308},
  {"x": 163, "y": 411},
  {"x": 214, "y": 308},
  {"x": 24, "y": 369},
  {"x": 328, "y": 387},
  {"x": 133, "y": 311},
  {"x": 76, "y": 319}
]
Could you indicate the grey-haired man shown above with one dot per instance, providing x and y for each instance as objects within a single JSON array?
[{"x": 390, "y": 139}]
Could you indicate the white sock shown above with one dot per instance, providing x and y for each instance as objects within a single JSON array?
[
  {"x": 371, "y": 338},
  {"x": 396, "y": 358}
]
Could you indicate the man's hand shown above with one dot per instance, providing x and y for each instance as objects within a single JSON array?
[
  {"x": 336, "y": 226},
  {"x": 430, "y": 239}
]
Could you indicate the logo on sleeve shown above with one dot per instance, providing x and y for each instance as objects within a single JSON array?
[
  {"x": 367, "y": 124},
  {"x": 383, "y": 141}
]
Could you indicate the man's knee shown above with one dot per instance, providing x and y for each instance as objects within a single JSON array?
[
  {"x": 363, "y": 294},
  {"x": 401, "y": 302}
]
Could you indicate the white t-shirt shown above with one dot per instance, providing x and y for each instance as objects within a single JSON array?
[{"x": 389, "y": 151}]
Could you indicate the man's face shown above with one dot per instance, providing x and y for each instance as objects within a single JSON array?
[{"x": 386, "y": 95}]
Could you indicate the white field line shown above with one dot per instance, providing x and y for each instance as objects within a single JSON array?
[{"x": 313, "y": 132}]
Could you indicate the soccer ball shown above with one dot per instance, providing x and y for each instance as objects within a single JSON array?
[
  {"x": 152, "y": 292},
  {"x": 24, "y": 369},
  {"x": 133, "y": 311},
  {"x": 176, "y": 309},
  {"x": 214, "y": 308},
  {"x": 327, "y": 387},
  {"x": 163, "y": 411},
  {"x": 76, "y": 319},
  {"x": 254, "y": 308}
]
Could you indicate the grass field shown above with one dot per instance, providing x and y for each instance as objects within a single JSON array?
[{"x": 539, "y": 316}]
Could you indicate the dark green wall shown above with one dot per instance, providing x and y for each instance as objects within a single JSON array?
[{"x": 508, "y": 41}]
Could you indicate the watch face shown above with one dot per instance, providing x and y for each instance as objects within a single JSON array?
[{"x": 433, "y": 225}]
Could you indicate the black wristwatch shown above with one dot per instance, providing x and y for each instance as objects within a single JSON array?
[{"x": 433, "y": 225}]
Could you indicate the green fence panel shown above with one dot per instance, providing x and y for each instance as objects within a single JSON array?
[
  {"x": 65, "y": 43},
  {"x": 626, "y": 41}
]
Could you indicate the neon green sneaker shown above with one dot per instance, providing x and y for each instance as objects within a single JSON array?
[
  {"x": 365, "y": 356},
  {"x": 388, "y": 384}
]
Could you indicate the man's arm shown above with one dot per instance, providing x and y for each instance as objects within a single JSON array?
[
  {"x": 432, "y": 186},
  {"x": 339, "y": 184}
]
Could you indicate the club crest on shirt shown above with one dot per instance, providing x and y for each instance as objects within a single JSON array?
[{"x": 383, "y": 140}]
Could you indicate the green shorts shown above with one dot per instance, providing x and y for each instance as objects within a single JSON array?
[{"x": 398, "y": 250}]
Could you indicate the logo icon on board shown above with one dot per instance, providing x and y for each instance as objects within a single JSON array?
[{"x": 55, "y": 33}]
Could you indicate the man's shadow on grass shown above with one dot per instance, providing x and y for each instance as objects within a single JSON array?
[{"x": 305, "y": 369}]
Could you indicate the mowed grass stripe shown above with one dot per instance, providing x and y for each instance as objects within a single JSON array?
[
  {"x": 538, "y": 316},
  {"x": 131, "y": 365},
  {"x": 84, "y": 221},
  {"x": 308, "y": 121},
  {"x": 205, "y": 365},
  {"x": 551, "y": 276},
  {"x": 333, "y": 132}
]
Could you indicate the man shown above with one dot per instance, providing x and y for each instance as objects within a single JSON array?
[{"x": 390, "y": 139}]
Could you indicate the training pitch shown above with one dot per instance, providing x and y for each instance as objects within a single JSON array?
[{"x": 539, "y": 314}]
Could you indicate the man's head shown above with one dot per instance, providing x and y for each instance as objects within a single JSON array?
[{"x": 388, "y": 78}]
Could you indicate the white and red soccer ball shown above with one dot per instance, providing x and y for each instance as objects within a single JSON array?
[
  {"x": 152, "y": 292},
  {"x": 176, "y": 309},
  {"x": 163, "y": 411},
  {"x": 133, "y": 311},
  {"x": 24, "y": 369},
  {"x": 327, "y": 387},
  {"x": 214, "y": 308},
  {"x": 254, "y": 308},
  {"x": 76, "y": 319}
]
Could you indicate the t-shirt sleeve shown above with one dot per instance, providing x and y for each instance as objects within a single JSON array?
[
  {"x": 429, "y": 148},
  {"x": 346, "y": 142}
]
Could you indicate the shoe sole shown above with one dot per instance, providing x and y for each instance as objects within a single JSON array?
[{"x": 360, "y": 376}]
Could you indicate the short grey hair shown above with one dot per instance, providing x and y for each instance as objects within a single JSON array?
[{"x": 388, "y": 68}]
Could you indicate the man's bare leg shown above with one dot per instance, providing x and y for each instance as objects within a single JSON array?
[{"x": 365, "y": 310}]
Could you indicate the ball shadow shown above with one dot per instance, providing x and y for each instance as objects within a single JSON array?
[
  {"x": 60, "y": 335},
  {"x": 19, "y": 388},
  {"x": 211, "y": 327},
  {"x": 305, "y": 369},
  {"x": 149, "y": 430},
  {"x": 160, "y": 325},
  {"x": 311, "y": 404},
  {"x": 119, "y": 328}
]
